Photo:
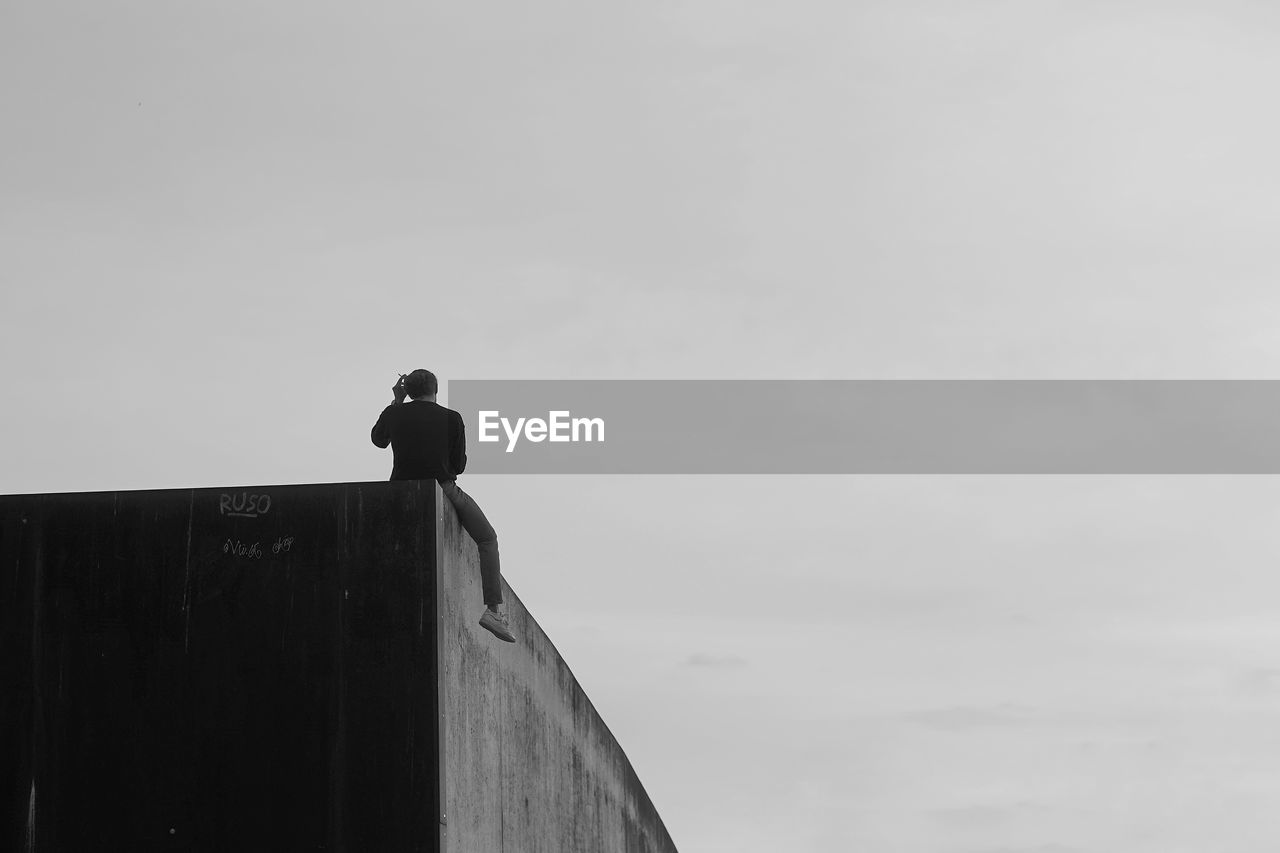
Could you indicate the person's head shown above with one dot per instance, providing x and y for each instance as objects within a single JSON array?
[{"x": 420, "y": 383}]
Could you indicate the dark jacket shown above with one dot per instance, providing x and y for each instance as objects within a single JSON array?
[{"x": 427, "y": 439}]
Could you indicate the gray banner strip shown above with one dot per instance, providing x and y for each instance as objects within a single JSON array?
[{"x": 871, "y": 426}]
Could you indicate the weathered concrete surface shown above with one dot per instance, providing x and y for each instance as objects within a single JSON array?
[
  {"x": 283, "y": 668},
  {"x": 195, "y": 670},
  {"x": 529, "y": 766}
]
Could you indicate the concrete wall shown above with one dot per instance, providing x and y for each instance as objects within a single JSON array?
[
  {"x": 529, "y": 765},
  {"x": 194, "y": 670}
]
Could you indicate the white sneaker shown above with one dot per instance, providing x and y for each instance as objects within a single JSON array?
[{"x": 496, "y": 624}]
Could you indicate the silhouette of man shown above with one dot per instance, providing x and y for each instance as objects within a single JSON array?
[{"x": 428, "y": 443}]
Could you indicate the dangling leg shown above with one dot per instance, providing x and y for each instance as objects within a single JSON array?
[{"x": 486, "y": 539}]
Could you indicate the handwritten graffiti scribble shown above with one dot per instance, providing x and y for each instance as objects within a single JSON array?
[
  {"x": 244, "y": 505},
  {"x": 236, "y": 548},
  {"x": 282, "y": 546}
]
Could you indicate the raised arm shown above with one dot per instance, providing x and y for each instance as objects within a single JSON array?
[{"x": 381, "y": 432}]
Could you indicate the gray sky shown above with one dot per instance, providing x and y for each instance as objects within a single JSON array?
[{"x": 225, "y": 228}]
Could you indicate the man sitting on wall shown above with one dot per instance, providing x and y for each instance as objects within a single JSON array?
[{"x": 428, "y": 443}]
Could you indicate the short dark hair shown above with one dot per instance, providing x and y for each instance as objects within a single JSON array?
[{"x": 420, "y": 383}]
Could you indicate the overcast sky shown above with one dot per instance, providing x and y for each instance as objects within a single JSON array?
[{"x": 226, "y": 227}]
